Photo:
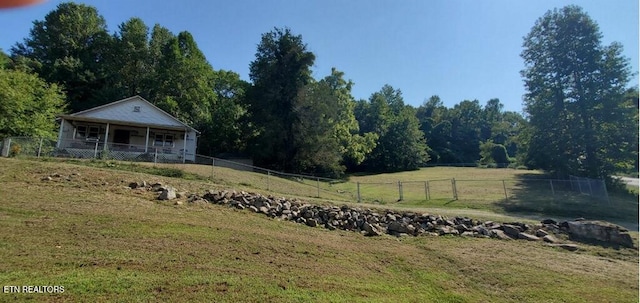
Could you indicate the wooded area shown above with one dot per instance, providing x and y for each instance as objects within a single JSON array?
[{"x": 581, "y": 117}]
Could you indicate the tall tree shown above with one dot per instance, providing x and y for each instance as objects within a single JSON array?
[
  {"x": 282, "y": 68},
  {"x": 228, "y": 129},
  {"x": 466, "y": 126},
  {"x": 401, "y": 144},
  {"x": 574, "y": 101},
  {"x": 436, "y": 126},
  {"x": 69, "y": 47},
  {"x": 28, "y": 104},
  {"x": 184, "y": 81},
  {"x": 132, "y": 59},
  {"x": 353, "y": 146}
]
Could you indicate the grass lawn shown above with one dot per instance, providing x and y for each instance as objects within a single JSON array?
[{"x": 103, "y": 242}]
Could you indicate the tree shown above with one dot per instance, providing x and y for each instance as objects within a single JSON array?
[
  {"x": 130, "y": 60},
  {"x": 4, "y": 60},
  {"x": 492, "y": 153},
  {"x": 353, "y": 146},
  {"x": 68, "y": 47},
  {"x": 401, "y": 144},
  {"x": 434, "y": 123},
  {"x": 282, "y": 68},
  {"x": 29, "y": 105},
  {"x": 466, "y": 126},
  {"x": 184, "y": 84},
  {"x": 575, "y": 96},
  {"x": 228, "y": 129}
]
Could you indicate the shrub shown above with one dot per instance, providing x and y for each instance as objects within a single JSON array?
[{"x": 15, "y": 150}]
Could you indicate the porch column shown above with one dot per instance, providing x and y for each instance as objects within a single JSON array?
[
  {"x": 146, "y": 141},
  {"x": 60, "y": 133},
  {"x": 106, "y": 137},
  {"x": 184, "y": 150}
]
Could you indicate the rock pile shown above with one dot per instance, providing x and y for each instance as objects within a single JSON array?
[{"x": 371, "y": 222}]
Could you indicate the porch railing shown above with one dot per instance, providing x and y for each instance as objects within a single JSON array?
[{"x": 126, "y": 152}]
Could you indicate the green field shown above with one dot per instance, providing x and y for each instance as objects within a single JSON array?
[{"x": 104, "y": 242}]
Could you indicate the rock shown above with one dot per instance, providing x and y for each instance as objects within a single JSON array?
[
  {"x": 528, "y": 237},
  {"x": 600, "y": 231},
  {"x": 180, "y": 194},
  {"x": 47, "y": 178},
  {"x": 492, "y": 225},
  {"x": 569, "y": 247},
  {"x": 264, "y": 210},
  {"x": 511, "y": 230},
  {"x": 169, "y": 193},
  {"x": 447, "y": 230},
  {"x": 550, "y": 239},
  {"x": 156, "y": 186},
  {"x": 312, "y": 222},
  {"x": 541, "y": 233},
  {"x": 499, "y": 234},
  {"x": 549, "y": 221},
  {"x": 390, "y": 217},
  {"x": 371, "y": 230},
  {"x": 178, "y": 202},
  {"x": 480, "y": 230},
  {"x": 397, "y": 227},
  {"x": 252, "y": 208}
]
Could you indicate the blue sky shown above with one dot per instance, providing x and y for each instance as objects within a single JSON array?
[{"x": 457, "y": 49}]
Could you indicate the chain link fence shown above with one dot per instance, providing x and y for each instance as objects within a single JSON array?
[
  {"x": 483, "y": 190},
  {"x": 221, "y": 170},
  {"x": 89, "y": 149}
]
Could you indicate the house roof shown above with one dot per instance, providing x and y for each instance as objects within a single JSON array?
[{"x": 130, "y": 111}]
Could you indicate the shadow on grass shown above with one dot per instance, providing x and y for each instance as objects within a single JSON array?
[{"x": 535, "y": 195}]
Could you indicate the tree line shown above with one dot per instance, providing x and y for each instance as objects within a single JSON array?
[{"x": 579, "y": 111}]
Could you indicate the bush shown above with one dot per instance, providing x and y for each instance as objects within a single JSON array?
[{"x": 15, "y": 150}]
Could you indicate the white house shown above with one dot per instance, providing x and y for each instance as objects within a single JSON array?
[{"x": 131, "y": 128}]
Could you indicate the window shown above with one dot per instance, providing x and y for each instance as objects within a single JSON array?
[
  {"x": 93, "y": 132},
  {"x": 136, "y": 109},
  {"x": 89, "y": 132},
  {"x": 159, "y": 141},
  {"x": 81, "y": 131},
  {"x": 163, "y": 140}
]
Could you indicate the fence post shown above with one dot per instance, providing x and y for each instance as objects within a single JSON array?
[
  {"x": 268, "y": 185},
  {"x": 318, "y": 185},
  {"x": 213, "y": 164},
  {"x": 590, "y": 189},
  {"x": 426, "y": 189},
  {"x": 40, "y": 147},
  {"x": 504, "y": 185},
  {"x": 553, "y": 193},
  {"x": 155, "y": 156},
  {"x": 454, "y": 189},
  {"x": 359, "y": 198},
  {"x": 606, "y": 193},
  {"x": 400, "y": 190},
  {"x": 580, "y": 186}
]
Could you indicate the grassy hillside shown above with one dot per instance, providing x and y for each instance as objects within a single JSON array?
[
  {"x": 103, "y": 242},
  {"x": 528, "y": 192}
]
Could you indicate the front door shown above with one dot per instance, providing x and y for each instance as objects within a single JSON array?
[{"x": 121, "y": 136}]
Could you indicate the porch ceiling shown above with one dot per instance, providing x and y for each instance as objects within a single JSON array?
[{"x": 125, "y": 123}]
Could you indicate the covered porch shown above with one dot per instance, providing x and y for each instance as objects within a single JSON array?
[{"x": 84, "y": 137}]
